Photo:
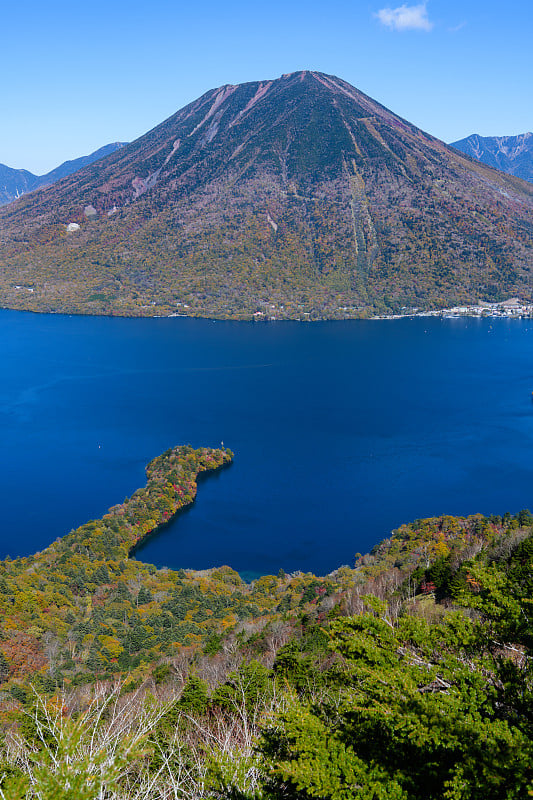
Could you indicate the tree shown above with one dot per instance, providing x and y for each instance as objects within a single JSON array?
[
  {"x": 421, "y": 712},
  {"x": 194, "y": 697},
  {"x": 525, "y": 518},
  {"x": 4, "y": 668}
]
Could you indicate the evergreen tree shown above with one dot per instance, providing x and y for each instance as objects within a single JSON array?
[{"x": 4, "y": 668}]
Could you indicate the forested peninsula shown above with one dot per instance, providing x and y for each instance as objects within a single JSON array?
[{"x": 406, "y": 675}]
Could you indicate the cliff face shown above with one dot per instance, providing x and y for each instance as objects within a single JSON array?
[{"x": 293, "y": 197}]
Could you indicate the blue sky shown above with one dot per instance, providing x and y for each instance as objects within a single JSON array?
[{"x": 77, "y": 75}]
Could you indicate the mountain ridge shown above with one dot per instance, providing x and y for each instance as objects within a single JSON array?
[
  {"x": 16, "y": 182},
  {"x": 299, "y": 197},
  {"x": 512, "y": 154}
]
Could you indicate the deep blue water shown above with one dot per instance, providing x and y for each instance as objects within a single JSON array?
[{"x": 341, "y": 430}]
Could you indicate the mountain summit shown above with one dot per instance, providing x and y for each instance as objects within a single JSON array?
[{"x": 294, "y": 197}]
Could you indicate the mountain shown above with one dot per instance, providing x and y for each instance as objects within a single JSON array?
[
  {"x": 16, "y": 182},
  {"x": 513, "y": 154},
  {"x": 68, "y": 167},
  {"x": 299, "y": 197}
]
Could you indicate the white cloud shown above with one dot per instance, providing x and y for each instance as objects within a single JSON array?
[{"x": 406, "y": 18}]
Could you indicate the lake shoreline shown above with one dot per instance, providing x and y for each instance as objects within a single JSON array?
[
  {"x": 511, "y": 308},
  {"x": 201, "y": 476}
]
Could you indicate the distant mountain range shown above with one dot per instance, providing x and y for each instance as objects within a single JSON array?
[
  {"x": 16, "y": 182},
  {"x": 513, "y": 154},
  {"x": 297, "y": 198}
]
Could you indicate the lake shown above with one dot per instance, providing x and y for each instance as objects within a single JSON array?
[{"x": 341, "y": 430}]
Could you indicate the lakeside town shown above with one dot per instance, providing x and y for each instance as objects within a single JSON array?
[{"x": 513, "y": 308}]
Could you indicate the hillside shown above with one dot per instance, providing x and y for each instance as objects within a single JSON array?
[
  {"x": 85, "y": 606},
  {"x": 512, "y": 154},
  {"x": 406, "y": 678},
  {"x": 16, "y": 182},
  {"x": 299, "y": 197}
]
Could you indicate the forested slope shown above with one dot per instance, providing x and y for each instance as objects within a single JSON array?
[{"x": 407, "y": 676}]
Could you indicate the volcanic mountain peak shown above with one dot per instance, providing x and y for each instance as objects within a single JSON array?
[
  {"x": 285, "y": 197},
  {"x": 300, "y": 123},
  {"x": 304, "y": 82}
]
